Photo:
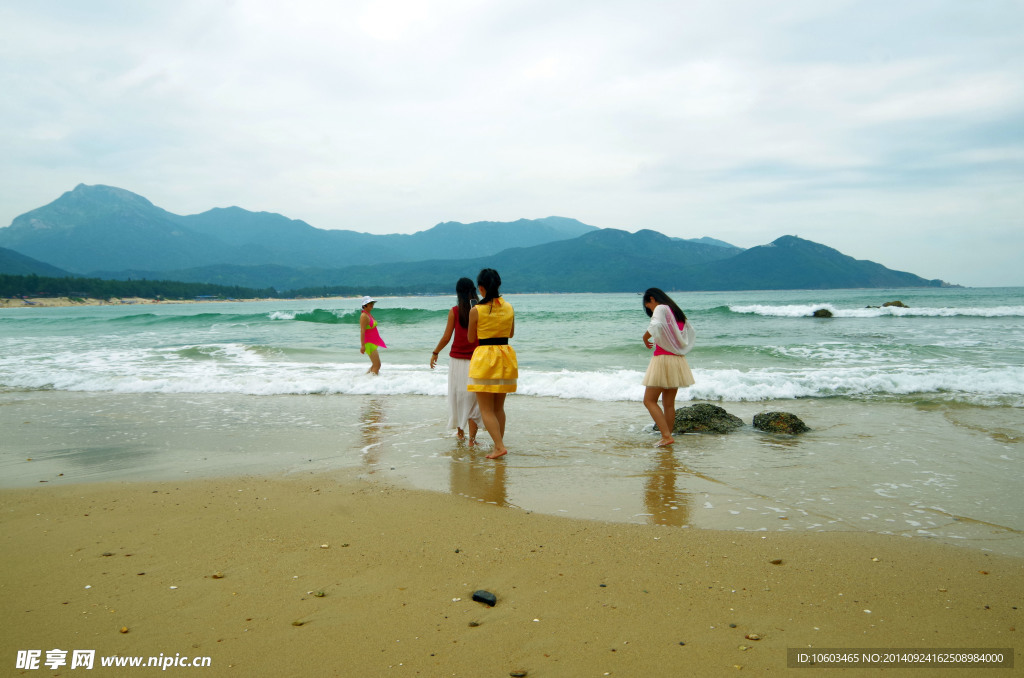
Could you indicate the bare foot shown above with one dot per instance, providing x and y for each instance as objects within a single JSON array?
[
  {"x": 472, "y": 442},
  {"x": 664, "y": 442},
  {"x": 497, "y": 453},
  {"x": 461, "y": 435}
]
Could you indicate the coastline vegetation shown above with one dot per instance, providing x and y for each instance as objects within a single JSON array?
[
  {"x": 80, "y": 289},
  {"x": 97, "y": 288}
]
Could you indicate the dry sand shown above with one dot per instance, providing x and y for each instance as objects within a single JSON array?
[{"x": 231, "y": 569}]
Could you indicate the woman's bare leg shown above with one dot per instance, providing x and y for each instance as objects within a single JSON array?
[
  {"x": 651, "y": 395},
  {"x": 668, "y": 404},
  {"x": 488, "y": 412},
  {"x": 374, "y": 362},
  {"x": 499, "y": 411}
]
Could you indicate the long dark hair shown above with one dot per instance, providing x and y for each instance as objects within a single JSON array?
[
  {"x": 491, "y": 282},
  {"x": 466, "y": 292},
  {"x": 662, "y": 298}
]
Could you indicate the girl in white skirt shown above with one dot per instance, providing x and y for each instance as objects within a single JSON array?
[
  {"x": 462, "y": 406},
  {"x": 668, "y": 370}
]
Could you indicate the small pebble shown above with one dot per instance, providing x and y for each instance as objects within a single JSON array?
[
  {"x": 517, "y": 674},
  {"x": 474, "y": 624},
  {"x": 732, "y": 626},
  {"x": 124, "y": 629},
  {"x": 777, "y": 561},
  {"x": 485, "y": 597},
  {"x": 752, "y": 636}
]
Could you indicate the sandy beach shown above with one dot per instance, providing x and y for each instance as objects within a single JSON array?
[
  {"x": 332, "y": 574},
  {"x": 55, "y": 302}
]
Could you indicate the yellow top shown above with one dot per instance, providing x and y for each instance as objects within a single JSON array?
[{"x": 494, "y": 319}]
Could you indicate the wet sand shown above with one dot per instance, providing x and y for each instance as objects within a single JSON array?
[
  {"x": 875, "y": 467},
  {"x": 232, "y": 569}
]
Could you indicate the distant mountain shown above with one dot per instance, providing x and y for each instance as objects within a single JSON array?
[
  {"x": 790, "y": 263},
  {"x": 15, "y": 263},
  {"x": 111, "y": 233},
  {"x": 608, "y": 260},
  {"x": 617, "y": 261},
  {"x": 102, "y": 228},
  {"x": 711, "y": 241}
]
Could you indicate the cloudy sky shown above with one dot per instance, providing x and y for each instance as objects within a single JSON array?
[{"x": 892, "y": 131}]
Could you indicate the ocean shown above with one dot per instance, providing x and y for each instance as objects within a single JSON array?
[{"x": 915, "y": 412}]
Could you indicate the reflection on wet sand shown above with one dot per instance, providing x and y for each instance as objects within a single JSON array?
[
  {"x": 472, "y": 475},
  {"x": 371, "y": 426},
  {"x": 662, "y": 501}
]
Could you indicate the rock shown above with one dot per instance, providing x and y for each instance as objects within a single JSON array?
[
  {"x": 822, "y": 313},
  {"x": 779, "y": 422},
  {"x": 897, "y": 303},
  {"x": 705, "y": 418},
  {"x": 485, "y": 597}
]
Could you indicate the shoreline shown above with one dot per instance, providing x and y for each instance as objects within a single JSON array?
[
  {"x": 233, "y": 569},
  {"x": 60, "y": 302}
]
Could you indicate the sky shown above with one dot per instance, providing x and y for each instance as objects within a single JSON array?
[{"x": 891, "y": 131}]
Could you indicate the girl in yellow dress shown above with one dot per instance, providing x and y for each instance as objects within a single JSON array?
[{"x": 493, "y": 369}]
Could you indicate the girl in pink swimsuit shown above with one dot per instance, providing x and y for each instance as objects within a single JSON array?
[{"x": 369, "y": 337}]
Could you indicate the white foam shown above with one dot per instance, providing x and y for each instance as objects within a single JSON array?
[
  {"x": 806, "y": 310},
  {"x": 236, "y": 368}
]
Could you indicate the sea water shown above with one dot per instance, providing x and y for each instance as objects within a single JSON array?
[{"x": 915, "y": 411}]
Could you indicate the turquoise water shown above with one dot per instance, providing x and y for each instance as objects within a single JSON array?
[
  {"x": 915, "y": 412},
  {"x": 963, "y": 345}
]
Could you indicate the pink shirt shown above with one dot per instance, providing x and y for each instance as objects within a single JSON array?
[{"x": 658, "y": 350}]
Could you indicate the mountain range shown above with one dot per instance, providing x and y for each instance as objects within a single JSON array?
[{"x": 107, "y": 232}]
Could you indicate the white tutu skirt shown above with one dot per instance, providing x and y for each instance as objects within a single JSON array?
[
  {"x": 668, "y": 371},
  {"x": 462, "y": 404}
]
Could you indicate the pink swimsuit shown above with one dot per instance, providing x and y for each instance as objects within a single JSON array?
[
  {"x": 372, "y": 336},
  {"x": 658, "y": 350}
]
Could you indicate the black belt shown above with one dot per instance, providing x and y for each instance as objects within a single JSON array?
[{"x": 494, "y": 341}]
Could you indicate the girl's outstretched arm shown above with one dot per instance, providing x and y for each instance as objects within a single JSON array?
[{"x": 448, "y": 331}]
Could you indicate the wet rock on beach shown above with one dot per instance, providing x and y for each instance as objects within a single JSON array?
[
  {"x": 779, "y": 422},
  {"x": 705, "y": 418}
]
